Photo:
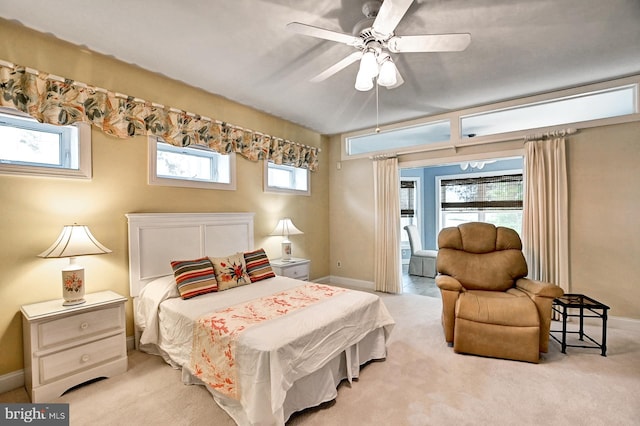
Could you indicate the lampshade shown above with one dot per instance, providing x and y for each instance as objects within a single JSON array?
[
  {"x": 387, "y": 75},
  {"x": 367, "y": 72},
  {"x": 369, "y": 64},
  {"x": 284, "y": 228},
  {"x": 74, "y": 240},
  {"x": 363, "y": 82}
]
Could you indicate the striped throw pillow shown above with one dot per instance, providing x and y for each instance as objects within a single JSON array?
[
  {"x": 258, "y": 266},
  {"x": 194, "y": 277}
]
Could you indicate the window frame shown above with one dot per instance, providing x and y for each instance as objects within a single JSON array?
[
  {"x": 457, "y": 138},
  {"x": 80, "y": 131},
  {"x": 594, "y": 96},
  {"x": 154, "y": 179},
  {"x": 282, "y": 190}
]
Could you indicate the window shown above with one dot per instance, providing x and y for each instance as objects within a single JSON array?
[
  {"x": 428, "y": 133},
  {"x": 492, "y": 199},
  {"x": 408, "y": 206},
  {"x": 572, "y": 109},
  {"x": 191, "y": 167},
  {"x": 595, "y": 105},
  {"x": 286, "y": 179},
  {"x": 32, "y": 148}
]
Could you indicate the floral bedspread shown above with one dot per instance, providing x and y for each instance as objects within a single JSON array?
[{"x": 215, "y": 336}]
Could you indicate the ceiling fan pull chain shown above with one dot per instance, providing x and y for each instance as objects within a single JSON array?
[{"x": 377, "y": 109}]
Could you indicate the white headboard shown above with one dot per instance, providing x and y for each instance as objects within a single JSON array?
[{"x": 155, "y": 239}]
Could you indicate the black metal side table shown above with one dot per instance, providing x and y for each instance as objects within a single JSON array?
[{"x": 588, "y": 308}]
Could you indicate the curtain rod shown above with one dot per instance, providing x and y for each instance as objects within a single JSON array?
[
  {"x": 553, "y": 134},
  {"x": 382, "y": 157}
]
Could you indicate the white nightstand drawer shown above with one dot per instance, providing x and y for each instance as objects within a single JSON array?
[
  {"x": 79, "y": 326},
  {"x": 300, "y": 272},
  {"x": 81, "y": 358}
]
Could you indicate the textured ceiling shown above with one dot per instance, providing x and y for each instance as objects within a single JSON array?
[{"x": 240, "y": 49}]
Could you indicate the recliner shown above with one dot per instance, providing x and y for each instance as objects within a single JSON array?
[{"x": 489, "y": 308}]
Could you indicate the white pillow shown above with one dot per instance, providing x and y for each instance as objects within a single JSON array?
[{"x": 147, "y": 304}]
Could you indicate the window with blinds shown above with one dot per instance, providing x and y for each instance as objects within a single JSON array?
[
  {"x": 491, "y": 199},
  {"x": 408, "y": 207},
  {"x": 407, "y": 198},
  {"x": 482, "y": 193}
]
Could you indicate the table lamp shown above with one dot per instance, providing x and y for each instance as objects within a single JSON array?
[
  {"x": 285, "y": 227},
  {"x": 74, "y": 240}
]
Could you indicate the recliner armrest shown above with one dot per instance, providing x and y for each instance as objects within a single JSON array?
[
  {"x": 542, "y": 294},
  {"x": 450, "y": 288},
  {"x": 446, "y": 282},
  {"x": 539, "y": 288}
]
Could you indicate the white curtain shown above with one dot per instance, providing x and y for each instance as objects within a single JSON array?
[
  {"x": 386, "y": 182},
  {"x": 545, "y": 212}
]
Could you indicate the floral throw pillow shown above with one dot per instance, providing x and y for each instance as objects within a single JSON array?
[{"x": 231, "y": 271}]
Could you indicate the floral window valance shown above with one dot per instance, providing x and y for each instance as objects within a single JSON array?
[{"x": 53, "y": 100}]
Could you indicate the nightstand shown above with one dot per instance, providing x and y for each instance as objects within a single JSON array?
[
  {"x": 65, "y": 346},
  {"x": 295, "y": 268}
]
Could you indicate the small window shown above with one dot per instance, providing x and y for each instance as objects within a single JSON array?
[
  {"x": 32, "y": 148},
  {"x": 286, "y": 179},
  {"x": 423, "y": 134},
  {"x": 191, "y": 167}
]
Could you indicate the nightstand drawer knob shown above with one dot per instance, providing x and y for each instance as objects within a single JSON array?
[
  {"x": 84, "y": 358},
  {"x": 84, "y": 326}
]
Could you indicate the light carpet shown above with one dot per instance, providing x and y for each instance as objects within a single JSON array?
[{"x": 422, "y": 382}]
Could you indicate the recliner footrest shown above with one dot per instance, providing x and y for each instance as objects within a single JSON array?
[{"x": 500, "y": 325}]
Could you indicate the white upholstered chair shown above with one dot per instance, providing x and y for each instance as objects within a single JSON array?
[{"x": 422, "y": 262}]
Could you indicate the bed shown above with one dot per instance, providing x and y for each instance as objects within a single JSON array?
[{"x": 285, "y": 344}]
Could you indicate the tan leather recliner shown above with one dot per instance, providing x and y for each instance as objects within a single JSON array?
[{"x": 488, "y": 307}]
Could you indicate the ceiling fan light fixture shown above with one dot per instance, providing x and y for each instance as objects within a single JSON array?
[
  {"x": 369, "y": 64},
  {"x": 388, "y": 71},
  {"x": 363, "y": 82}
]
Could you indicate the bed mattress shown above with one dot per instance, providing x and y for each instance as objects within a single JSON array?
[{"x": 306, "y": 352}]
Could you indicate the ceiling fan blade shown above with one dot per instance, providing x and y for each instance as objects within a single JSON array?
[
  {"x": 310, "y": 30},
  {"x": 429, "y": 43},
  {"x": 339, "y": 66},
  {"x": 389, "y": 16}
]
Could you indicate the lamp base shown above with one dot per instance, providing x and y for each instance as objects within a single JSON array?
[
  {"x": 73, "y": 284},
  {"x": 73, "y": 302},
  {"x": 286, "y": 251}
]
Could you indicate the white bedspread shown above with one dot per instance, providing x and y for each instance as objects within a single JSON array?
[{"x": 273, "y": 355}]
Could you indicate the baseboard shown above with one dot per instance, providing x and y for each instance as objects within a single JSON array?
[
  {"x": 131, "y": 343},
  {"x": 622, "y": 323},
  {"x": 323, "y": 280},
  {"x": 618, "y": 323},
  {"x": 11, "y": 381},
  {"x": 350, "y": 282}
]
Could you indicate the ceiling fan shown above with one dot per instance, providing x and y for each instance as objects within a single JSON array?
[{"x": 374, "y": 39}]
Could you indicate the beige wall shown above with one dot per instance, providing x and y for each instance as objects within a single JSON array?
[
  {"x": 351, "y": 216},
  {"x": 604, "y": 201},
  {"x": 604, "y": 221},
  {"x": 33, "y": 210}
]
